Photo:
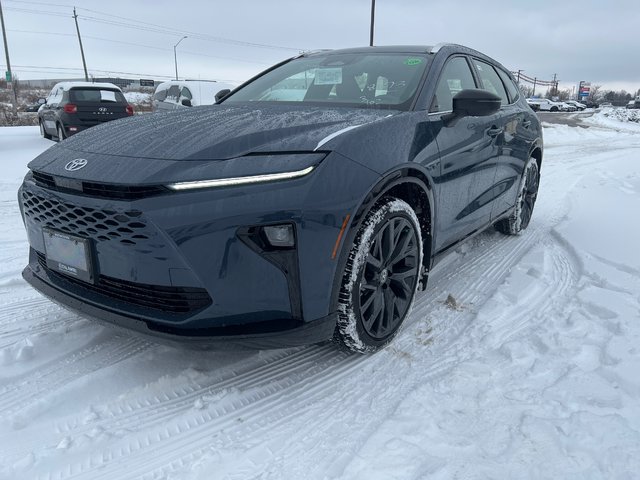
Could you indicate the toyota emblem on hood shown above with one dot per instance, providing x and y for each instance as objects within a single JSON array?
[{"x": 76, "y": 164}]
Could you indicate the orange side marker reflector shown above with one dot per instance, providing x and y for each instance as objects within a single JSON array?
[{"x": 344, "y": 225}]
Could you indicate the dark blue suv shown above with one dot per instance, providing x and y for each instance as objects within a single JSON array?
[{"x": 310, "y": 203}]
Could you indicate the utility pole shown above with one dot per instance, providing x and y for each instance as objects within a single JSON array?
[
  {"x": 519, "y": 72},
  {"x": 555, "y": 84},
  {"x": 373, "y": 15},
  {"x": 9, "y": 77},
  {"x": 175, "y": 55},
  {"x": 84, "y": 64}
]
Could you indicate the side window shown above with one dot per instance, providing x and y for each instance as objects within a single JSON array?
[
  {"x": 186, "y": 93},
  {"x": 512, "y": 88},
  {"x": 52, "y": 95},
  {"x": 455, "y": 77},
  {"x": 490, "y": 80},
  {"x": 173, "y": 93},
  {"x": 160, "y": 95}
]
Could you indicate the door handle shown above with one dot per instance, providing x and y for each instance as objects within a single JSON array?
[{"x": 494, "y": 131}]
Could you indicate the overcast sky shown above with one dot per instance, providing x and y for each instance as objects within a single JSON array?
[{"x": 595, "y": 41}]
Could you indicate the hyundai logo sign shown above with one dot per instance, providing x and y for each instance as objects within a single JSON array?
[{"x": 76, "y": 164}]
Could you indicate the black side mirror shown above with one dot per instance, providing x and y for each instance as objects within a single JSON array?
[
  {"x": 186, "y": 102},
  {"x": 221, "y": 94},
  {"x": 472, "y": 103},
  {"x": 42, "y": 101}
]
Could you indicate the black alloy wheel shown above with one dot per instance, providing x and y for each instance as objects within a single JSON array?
[
  {"x": 380, "y": 278},
  {"x": 529, "y": 194},
  {"x": 388, "y": 278},
  {"x": 526, "y": 201}
]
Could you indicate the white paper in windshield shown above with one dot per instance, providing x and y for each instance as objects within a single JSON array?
[{"x": 328, "y": 76}]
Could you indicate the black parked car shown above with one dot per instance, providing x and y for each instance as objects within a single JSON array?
[
  {"x": 75, "y": 106},
  {"x": 310, "y": 203}
]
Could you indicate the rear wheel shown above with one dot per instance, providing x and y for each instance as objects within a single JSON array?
[
  {"x": 61, "y": 135},
  {"x": 43, "y": 132},
  {"x": 521, "y": 216},
  {"x": 554, "y": 109},
  {"x": 380, "y": 278}
]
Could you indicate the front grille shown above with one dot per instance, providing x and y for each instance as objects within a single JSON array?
[
  {"x": 126, "y": 227},
  {"x": 176, "y": 300},
  {"x": 98, "y": 190}
]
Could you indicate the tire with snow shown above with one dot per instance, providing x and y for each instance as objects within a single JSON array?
[
  {"x": 43, "y": 132},
  {"x": 521, "y": 216},
  {"x": 380, "y": 278}
]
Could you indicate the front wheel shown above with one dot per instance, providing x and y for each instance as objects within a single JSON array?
[
  {"x": 43, "y": 132},
  {"x": 380, "y": 278},
  {"x": 521, "y": 216}
]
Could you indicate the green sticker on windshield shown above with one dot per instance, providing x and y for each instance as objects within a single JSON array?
[{"x": 413, "y": 61}]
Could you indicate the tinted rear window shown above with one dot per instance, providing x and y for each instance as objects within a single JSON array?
[{"x": 99, "y": 95}]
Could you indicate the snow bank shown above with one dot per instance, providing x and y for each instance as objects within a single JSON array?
[
  {"x": 616, "y": 118},
  {"x": 137, "y": 97}
]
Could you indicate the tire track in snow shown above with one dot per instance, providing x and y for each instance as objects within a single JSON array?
[
  {"x": 164, "y": 446},
  {"x": 36, "y": 387},
  {"x": 152, "y": 411}
]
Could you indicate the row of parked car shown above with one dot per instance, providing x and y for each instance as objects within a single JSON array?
[
  {"x": 546, "y": 105},
  {"x": 72, "y": 107}
]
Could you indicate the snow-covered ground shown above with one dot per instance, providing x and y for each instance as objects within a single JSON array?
[{"x": 532, "y": 373}]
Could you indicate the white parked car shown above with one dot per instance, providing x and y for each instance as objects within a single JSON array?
[
  {"x": 186, "y": 93},
  {"x": 546, "y": 105},
  {"x": 568, "y": 107},
  {"x": 578, "y": 105}
]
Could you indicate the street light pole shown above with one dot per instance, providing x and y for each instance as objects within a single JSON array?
[{"x": 175, "y": 55}]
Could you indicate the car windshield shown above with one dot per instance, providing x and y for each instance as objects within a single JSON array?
[
  {"x": 380, "y": 80},
  {"x": 101, "y": 95}
]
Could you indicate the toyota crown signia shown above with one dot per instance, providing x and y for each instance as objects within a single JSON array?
[{"x": 308, "y": 204}]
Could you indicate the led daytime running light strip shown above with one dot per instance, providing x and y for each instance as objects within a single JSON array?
[{"x": 227, "y": 182}]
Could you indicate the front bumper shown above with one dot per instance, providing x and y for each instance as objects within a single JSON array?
[
  {"x": 182, "y": 244},
  {"x": 250, "y": 336}
]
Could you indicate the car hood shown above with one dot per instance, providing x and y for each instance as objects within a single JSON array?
[
  {"x": 219, "y": 132},
  {"x": 204, "y": 142}
]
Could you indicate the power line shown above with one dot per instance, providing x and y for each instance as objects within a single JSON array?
[
  {"x": 145, "y": 26},
  {"x": 137, "y": 45}
]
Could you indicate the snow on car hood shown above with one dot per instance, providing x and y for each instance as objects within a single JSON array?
[{"x": 219, "y": 132}]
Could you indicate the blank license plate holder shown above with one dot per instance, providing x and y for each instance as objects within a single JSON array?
[{"x": 69, "y": 254}]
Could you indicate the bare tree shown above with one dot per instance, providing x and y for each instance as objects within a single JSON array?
[
  {"x": 594, "y": 93},
  {"x": 526, "y": 90}
]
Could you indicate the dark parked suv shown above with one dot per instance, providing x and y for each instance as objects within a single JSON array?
[
  {"x": 310, "y": 203},
  {"x": 75, "y": 106}
]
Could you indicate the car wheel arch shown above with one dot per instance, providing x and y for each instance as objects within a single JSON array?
[
  {"x": 408, "y": 184},
  {"x": 536, "y": 152}
]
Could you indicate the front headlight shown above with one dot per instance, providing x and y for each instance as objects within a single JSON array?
[{"x": 227, "y": 182}]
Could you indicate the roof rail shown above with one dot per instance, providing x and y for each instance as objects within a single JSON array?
[
  {"x": 436, "y": 48},
  {"x": 311, "y": 52}
]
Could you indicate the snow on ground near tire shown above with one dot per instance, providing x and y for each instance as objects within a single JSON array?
[{"x": 532, "y": 373}]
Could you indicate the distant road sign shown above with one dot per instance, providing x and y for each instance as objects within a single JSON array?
[
  {"x": 7, "y": 76},
  {"x": 146, "y": 83}
]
